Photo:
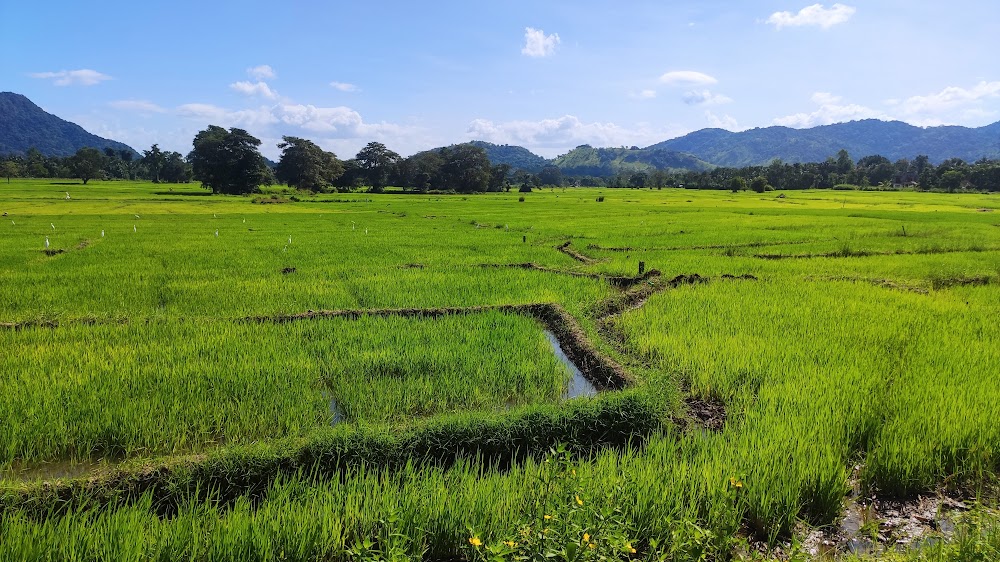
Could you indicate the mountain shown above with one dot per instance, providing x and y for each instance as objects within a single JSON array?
[
  {"x": 586, "y": 160},
  {"x": 517, "y": 157},
  {"x": 24, "y": 125},
  {"x": 892, "y": 139}
]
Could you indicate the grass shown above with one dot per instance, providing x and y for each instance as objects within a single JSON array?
[{"x": 875, "y": 346}]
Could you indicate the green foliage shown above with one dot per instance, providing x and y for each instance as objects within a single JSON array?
[
  {"x": 228, "y": 161},
  {"x": 376, "y": 163},
  {"x": 87, "y": 163},
  {"x": 516, "y": 157},
  {"x": 305, "y": 165}
]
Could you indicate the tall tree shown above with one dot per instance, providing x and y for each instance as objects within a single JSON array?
[
  {"x": 228, "y": 161},
  {"x": 154, "y": 160},
  {"x": 86, "y": 163},
  {"x": 465, "y": 168},
  {"x": 551, "y": 175},
  {"x": 377, "y": 162},
  {"x": 499, "y": 177},
  {"x": 305, "y": 165},
  {"x": 10, "y": 169},
  {"x": 175, "y": 169}
]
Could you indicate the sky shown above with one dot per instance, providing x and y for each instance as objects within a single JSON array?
[{"x": 547, "y": 74}]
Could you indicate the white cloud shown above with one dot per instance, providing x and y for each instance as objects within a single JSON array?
[
  {"x": 813, "y": 15},
  {"x": 832, "y": 109},
  {"x": 332, "y": 122},
  {"x": 552, "y": 136},
  {"x": 948, "y": 99},
  {"x": 643, "y": 94},
  {"x": 538, "y": 44},
  {"x": 687, "y": 78},
  {"x": 344, "y": 86},
  {"x": 262, "y": 72},
  {"x": 721, "y": 122},
  {"x": 705, "y": 97},
  {"x": 254, "y": 89},
  {"x": 81, "y": 77},
  {"x": 138, "y": 106}
]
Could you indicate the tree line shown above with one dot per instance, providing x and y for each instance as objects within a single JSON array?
[{"x": 229, "y": 161}]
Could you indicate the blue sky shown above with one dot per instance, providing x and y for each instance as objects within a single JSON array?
[{"x": 547, "y": 74}]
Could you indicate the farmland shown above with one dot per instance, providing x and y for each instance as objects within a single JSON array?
[{"x": 367, "y": 376}]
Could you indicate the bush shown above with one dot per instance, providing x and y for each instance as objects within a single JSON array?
[
  {"x": 525, "y": 188},
  {"x": 520, "y": 199},
  {"x": 600, "y": 199}
]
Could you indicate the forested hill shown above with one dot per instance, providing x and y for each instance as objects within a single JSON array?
[
  {"x": 586, "y": 160},
  {"x": 891, "y": 139},
  {"x": 24, "y": 125},
  {"x": 518, "y": 157}
]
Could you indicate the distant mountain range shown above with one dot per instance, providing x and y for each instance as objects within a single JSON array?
[
  {"x": 708, "y": 148},
  {"x": 892, "y": 139},
  {"x": 24, "y": 125}
]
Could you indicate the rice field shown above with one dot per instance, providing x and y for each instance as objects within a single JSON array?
[{"x": 849, "y": 341}]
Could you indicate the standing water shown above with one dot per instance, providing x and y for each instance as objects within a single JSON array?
[{"x": 578, "y": 385}]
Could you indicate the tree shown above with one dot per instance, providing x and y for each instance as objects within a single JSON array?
[
  {"x": 498, "y": 177},
  {"x": 465, "y": 168},
  {"x": 305, "y": 165},
  {"x": 952, "y": 180},
  {"x": 175, "y": 169},
  {"x": 154, "y": 160},
  {"x": 377, "y": 162},
  {"x": 737, "y": 184},
  {"x": 759, "y": 184},
  {"x": 36, "y": 164},
  {"x": 844, "y": 163},
  {"x": 228, "y": 161},
  {"x": 86, "y": 163},
  {"x": 10, "y": 169},
  {"x": 551, "y": 175}
]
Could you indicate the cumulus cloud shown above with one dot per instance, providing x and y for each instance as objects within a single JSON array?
[
  {"x": 81, "y": 77},
  {"x": 721, "y": 122},
  {"x": 538, "y": 44},
  {"x": 705, "y": 97},
  {"x": 815, "y": 15},
  {"x": 948, "y": 99},
  {"x": 262, "y": 72},
  {"x": 562, "y": 133},
  {"x": 138, "y": 106},
  {"x": 331, "y": 122},
  {"x": 832, "y": 109},
  {"x": 344, "y": 86},
  {"x": 254, "y": 89},
  {"x": 687, "y": 78}
]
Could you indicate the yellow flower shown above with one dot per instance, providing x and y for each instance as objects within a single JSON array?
[
  {"x": 735, "y": 483},
  {"x": 579, "y": 501},
  {"x": 474, "y": 541},
  {"x": 510, "y": 544},
  {"x": 586, "y": 537},
  {"x": 630, "y": 548},
  {"x": 592, "y": 546},
  {"x": 547, "y": 517}
]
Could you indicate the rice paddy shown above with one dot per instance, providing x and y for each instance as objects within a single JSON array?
[{"x": 849, "y": 339}]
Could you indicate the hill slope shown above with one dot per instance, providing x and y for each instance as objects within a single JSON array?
[
  {"x": 24, "y": 125},
  {"x": 586, "y": 160},
  {"x": 517, "y": 157},
  {"x": 892, "y": 139}
]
